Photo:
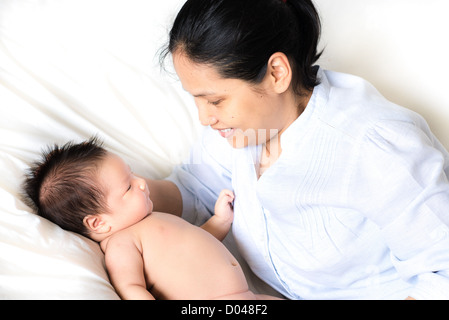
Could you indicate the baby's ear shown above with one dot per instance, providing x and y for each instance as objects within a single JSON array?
[{"x": 96, "y": 224}]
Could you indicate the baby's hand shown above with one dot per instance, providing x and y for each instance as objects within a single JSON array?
[{"x": 224, "y": 208}]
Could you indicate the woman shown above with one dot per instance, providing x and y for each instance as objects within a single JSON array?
[{"x": 339, "y": 193}]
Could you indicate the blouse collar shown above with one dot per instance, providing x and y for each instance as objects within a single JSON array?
[{"x": 316, "y": 105}]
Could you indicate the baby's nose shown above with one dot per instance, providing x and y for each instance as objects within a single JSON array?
[{"x": 141, "y": 183}]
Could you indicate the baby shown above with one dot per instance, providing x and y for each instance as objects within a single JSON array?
[{"x": 149, "y": 255}]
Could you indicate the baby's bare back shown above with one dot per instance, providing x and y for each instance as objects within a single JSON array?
[{"x": 182, "y": 261}]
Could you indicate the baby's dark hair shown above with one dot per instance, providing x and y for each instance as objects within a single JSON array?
[{"x": 63, "y": 186}]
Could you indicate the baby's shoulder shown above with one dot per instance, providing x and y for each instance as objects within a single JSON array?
[{"x": 122, "y": 240}]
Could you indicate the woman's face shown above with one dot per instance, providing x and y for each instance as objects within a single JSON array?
[{"x": 242, "y": 113}]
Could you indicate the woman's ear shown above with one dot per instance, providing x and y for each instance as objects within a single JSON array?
[
  {"x": 96, "y": 223},
  {"x": 279, "y": 72}
]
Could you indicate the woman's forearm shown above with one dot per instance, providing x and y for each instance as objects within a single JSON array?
[{"x": 166, "y": 196}]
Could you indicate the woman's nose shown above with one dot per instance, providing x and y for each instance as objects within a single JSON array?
[{"x": 206, "y": 116}]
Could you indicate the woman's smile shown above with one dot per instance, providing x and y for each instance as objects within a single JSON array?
[{"x": 226, "y": 133}]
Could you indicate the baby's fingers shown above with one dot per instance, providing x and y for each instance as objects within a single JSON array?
[{"x": 227, "y": 194}]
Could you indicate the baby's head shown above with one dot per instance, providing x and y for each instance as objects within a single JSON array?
[{"x": 86, "y": 189}]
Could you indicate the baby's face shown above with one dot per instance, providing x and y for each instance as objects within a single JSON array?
[{"x": 127, "y": 195}]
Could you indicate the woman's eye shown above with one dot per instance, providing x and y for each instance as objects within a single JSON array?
[
  {"x": 129, "y": 188},
  {"x": 215, "y": 103}
]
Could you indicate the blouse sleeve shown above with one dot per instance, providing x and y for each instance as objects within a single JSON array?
[
  {"x": 401, "y": 184},
  {"x": 202, "y": 176}
]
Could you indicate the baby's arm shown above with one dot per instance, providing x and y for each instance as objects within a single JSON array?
[
  {"x": 125, "y": 268},
  {"x": 220, "y": 223}
]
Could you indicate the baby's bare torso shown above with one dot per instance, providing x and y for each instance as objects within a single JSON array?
[{"x": 182, "y": 261}]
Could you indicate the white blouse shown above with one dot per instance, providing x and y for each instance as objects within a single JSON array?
[{"x": 356, "y": 206}]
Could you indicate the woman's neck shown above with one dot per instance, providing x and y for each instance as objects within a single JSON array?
[{"x": 272, "y": 148}]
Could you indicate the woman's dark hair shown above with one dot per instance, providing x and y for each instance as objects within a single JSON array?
[
  {"x": 63, "y": 186},
  {"x": 238, "y": 37}
]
